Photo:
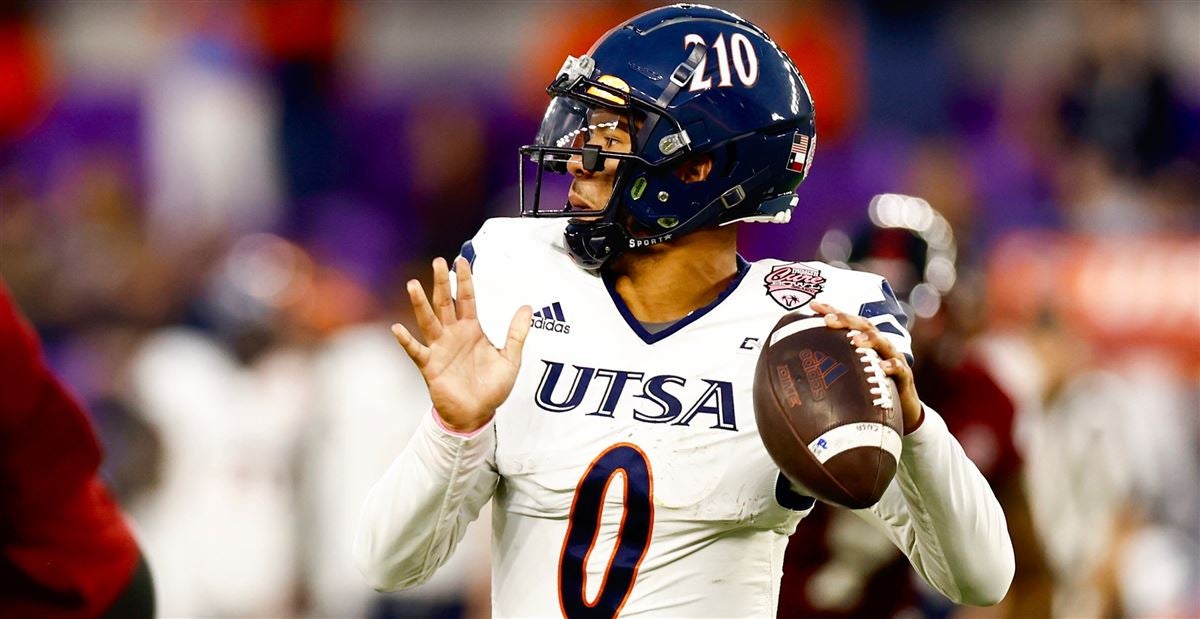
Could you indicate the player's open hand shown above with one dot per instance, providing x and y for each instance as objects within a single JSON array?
[
  {"x": 891, "y": 360},
  {"x": 467, "y": 376}
]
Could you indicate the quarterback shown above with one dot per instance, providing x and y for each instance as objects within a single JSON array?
[{"x": 613, "y": 427}]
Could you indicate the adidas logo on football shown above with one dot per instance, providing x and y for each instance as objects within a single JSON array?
[
  {"x": 550, "y": 318},
  {"x": 821, "y": 370}
]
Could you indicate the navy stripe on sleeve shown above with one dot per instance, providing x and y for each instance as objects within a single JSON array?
[{"x": 468, "y": 252}]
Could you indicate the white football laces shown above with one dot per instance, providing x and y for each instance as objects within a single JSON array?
[{"x": 875, "y": 375}]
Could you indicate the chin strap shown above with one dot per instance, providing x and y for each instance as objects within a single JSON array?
[
  {"x": 679, "y": 78},
  {"x": 683, "y": 74}
]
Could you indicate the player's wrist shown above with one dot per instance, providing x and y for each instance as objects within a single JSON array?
[
  {"x": 458, "y": 428},
  {"x": 914, "y": 424}
]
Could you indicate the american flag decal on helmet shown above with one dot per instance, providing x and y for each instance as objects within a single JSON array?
[{"x": 800, "y": 158}]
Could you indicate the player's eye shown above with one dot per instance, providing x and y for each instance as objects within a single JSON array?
[{"x": 609, "y": 142}]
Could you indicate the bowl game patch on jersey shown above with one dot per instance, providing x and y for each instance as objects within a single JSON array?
[{"x": 793, "y": 285}]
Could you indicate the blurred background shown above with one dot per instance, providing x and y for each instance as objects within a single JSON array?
[{"x": 209, "y": 209}]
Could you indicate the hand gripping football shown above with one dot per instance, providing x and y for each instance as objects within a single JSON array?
[{"x": 826, "y": 412}]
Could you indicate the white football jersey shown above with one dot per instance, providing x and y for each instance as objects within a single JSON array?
[{"x": 625, "y": 467}]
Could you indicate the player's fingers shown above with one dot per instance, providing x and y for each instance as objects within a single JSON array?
[
  {"x": 873, "y": 338},
  {"x": 443, "y": 303},
  {"x": 898, "y": 369},
  {"x": 826, "y": 309},
  {"x": 843, "y": 320},
  {"x": 466, "y": 289},
  {"x": 416, "y": 351},
  {"x": 427, "y": 321},
  {"x": 518, "y": 330},
  {"x": 835, "y": 318},
  {"x": 823, "y": 308},
  {"x": 868, "y": 334},
  {"x": 856, "y": 322}
]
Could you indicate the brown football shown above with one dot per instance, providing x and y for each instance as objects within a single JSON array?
[{"x": 826, "y": 412}]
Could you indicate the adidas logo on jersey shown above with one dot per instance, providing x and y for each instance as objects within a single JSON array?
[{"x": 550, "y": 318}]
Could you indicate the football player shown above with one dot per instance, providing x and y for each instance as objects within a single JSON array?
[
  {"x": 613, "y": 428},
  {"x": 66, "y": 551}
]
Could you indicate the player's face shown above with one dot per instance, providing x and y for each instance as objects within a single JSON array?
[{"x": 591, "y": 190}]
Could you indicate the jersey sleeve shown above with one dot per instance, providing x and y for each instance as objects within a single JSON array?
[
  {"x": 416, "y": 515},
  {"x": 879, "y": 305},
  {"x": 493, "y": 265},
  {"x": 941, "y": 512}
]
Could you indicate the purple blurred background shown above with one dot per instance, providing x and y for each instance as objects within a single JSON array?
[{"x": 208, "y": 210}]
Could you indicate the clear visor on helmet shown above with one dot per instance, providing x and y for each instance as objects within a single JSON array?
[{"x": 581, "y": 141}]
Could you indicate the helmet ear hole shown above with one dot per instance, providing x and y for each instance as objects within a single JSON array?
[{"x": 695, "y": 169}]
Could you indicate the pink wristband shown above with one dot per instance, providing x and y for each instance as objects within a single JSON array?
[{"x": 448, "y": 430}]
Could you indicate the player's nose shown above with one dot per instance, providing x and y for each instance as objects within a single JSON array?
[
  {"x": 586, "y": 163},
  {"x": 575, "y": 167}
]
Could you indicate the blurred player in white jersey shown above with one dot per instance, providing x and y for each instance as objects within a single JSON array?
[{"x": 613, "y": 428}]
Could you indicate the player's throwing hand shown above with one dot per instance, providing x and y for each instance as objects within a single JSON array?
[
  {"x": 893, "y": 363},
  {"x": 467, "y": 376}
]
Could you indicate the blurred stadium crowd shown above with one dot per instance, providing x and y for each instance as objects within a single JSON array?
[{"x": 209, "y": 210}]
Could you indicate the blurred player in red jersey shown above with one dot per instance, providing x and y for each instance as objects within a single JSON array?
[{"x": 65, "y": 551}]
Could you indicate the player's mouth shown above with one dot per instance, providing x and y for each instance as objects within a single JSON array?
[{"x": 576, "y": 203}]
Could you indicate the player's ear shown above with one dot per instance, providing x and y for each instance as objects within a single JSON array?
[{"x": 695, "y": 169}]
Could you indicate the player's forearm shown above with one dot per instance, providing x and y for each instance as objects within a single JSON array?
[
  {"x": 416, "y": 514},
  {"x": 959, "y": 527}
]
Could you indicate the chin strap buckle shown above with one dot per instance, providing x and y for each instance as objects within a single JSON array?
[{"x": 683, "y": 73}]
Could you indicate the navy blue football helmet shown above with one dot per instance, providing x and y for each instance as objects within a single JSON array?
[{"x": 686, "y": 81}]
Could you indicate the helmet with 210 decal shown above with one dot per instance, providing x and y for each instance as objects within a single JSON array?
[{"x": 668, "y": 88}]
